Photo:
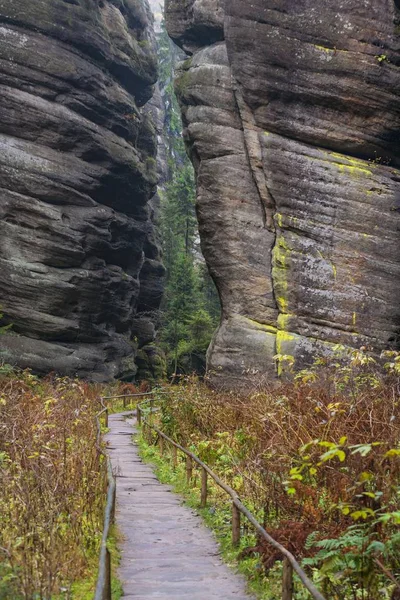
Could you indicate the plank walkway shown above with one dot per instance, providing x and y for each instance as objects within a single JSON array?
[{"x": 167, "y": 552}]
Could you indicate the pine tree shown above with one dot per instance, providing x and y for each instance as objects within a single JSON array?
[{"x": 191, "y": 305}]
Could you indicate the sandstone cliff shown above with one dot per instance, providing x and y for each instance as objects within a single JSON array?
[
  {"x": 79, "y": 257},
  {"x": 292, "y": 116}
]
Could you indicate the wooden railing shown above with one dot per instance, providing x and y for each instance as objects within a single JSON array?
[
  {"x": 104, "y": 578},
  {"x": 103, "y": 586},
  {"x": 290, "y": 564}
]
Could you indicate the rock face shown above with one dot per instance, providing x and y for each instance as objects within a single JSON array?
[
  {"x": 292, "y": 116},
  {"x": 79, "y": 257},
  {"x": 150, "y": 359}
]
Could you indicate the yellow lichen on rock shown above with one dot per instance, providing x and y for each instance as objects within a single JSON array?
[{"x": 280, "y": 264}]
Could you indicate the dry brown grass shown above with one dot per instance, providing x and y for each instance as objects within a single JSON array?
[
  {"x": 53, "y": 483},
  {"x": 271, "y": 445}
]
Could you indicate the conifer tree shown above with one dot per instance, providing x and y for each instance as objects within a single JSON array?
[{"x": 191, "y": 305}]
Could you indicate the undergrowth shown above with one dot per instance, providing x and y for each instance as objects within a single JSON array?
[
  {"x": 317, "y": 458},
  {"x": 217, "y": 516},
  {"x": 122, "y": 396},
  {"x": 53, "y": 488}
]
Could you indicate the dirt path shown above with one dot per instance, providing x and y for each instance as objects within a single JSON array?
[{"x": 167, "y": 553}]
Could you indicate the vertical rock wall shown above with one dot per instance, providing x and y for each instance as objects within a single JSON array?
[
  {"x": 78, "y": 253},
  {"x": 292, "y": 116}
]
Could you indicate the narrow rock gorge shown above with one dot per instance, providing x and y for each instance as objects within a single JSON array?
[
  {"x": 292, "y": 121},
  {"x": 80, "y": 272}
]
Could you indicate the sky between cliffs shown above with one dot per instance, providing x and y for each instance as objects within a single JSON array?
[{"x": 157, "y": 6}]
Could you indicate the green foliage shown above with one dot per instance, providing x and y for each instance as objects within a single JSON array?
[
  {"x": 316, "y": 453},
  {"x": 179, "y": 225},
  {"x": 381, "y": 58},
  {"x": 190, "y": 310},
  {"x": 347, "y": 564},
  {"x": 4, "y": 328}
]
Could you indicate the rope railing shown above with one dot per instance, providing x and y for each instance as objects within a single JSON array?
[{"x": 290, "y": 564}]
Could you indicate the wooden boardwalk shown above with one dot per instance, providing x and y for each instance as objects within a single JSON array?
[{"x": 167, "y": 553}]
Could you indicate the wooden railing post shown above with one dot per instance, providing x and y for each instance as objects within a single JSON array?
[
  {"x": 151, "y": 410},
  {"x": 235, "y": 525},
  {"x": 287, "y": 580},
  {"x": 124, "y": 402},
  {"x": 204, "y": 475},
  {"x": 189, "y": 469},
  {"x": 114, "y": 504},
  {"x": 106, "y": 414},
  {"x": 174, "y": 457},
  {"x": 161, "y": 444},
  {"x": 107, "y": 583},
  {"x": 139, "y": 415}
]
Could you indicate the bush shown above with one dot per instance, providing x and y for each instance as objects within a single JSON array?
[
  {"x": 318, "y": 455},
  {"x": 53, "y": 484}
]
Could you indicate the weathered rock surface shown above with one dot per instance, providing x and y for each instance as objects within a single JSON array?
[
  {"x": 149, "y": 359},
  {"x": 292, "y": 116},
  {"x": 79, "y": 256}
]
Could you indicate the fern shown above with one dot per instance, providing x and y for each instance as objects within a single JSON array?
[
  {"x": 329, "y": 545},
  {"x": 352, "y": 537},
  {"x": 332, "y": 563},
  {"x": 376, "y": 547},
  {"x": 393, "y": 544},
  {"x": 311, "y": 540},
  {"x": 346, "y": 565}
]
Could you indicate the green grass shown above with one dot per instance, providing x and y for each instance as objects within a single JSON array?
[
  {"x": 117, "y": 406},
  {"x": 85, "y": 588},
  {"x": 113, "y": 546}
]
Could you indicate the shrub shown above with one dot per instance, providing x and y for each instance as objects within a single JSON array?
[
  {"x": 53, "y": 484},
  {"x": 316, "y": 455}
]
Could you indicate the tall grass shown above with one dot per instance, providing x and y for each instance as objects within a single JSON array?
[
  {"x": 53, "y": 484},
  {"x": 318, "y": 458}
]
